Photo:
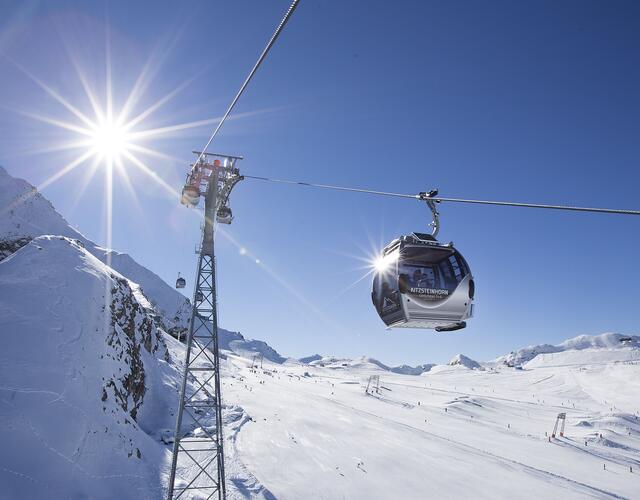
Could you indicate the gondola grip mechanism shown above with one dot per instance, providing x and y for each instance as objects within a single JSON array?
[{"x": 435, "y": 215}]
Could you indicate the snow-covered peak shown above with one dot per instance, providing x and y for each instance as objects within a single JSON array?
[
  {"x": 85, "y": 366},
  {"x": 581, "y": 342},
  {"x": 248, "y": 348},
  {"x": 605, "y": 340},
  {"x": 412, "y": 370},
  {"x": 308, "y": 359},
  {"x": 366, "y": 360},
  {"x": 26, "y": 214},
  {"x": 462, "y": 360},
  {"x": 361, "y": 362}
]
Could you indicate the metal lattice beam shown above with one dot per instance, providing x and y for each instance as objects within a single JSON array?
[{"x": 198, "y": 441}]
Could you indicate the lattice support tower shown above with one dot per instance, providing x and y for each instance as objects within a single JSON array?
[
  {"x": 373, "y": 384},
  {"x": 254, "y": 361},
  {"x": 560, "y": 418},
  {"x": 198, "y": 440}
]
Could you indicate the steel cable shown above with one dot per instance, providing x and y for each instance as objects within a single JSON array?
[
  {"x": 262, "y": 57},
  {"x": 422, "y": 197}
]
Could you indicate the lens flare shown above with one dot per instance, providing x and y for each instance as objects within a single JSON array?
[
  {"x": 109, "y": 140},
  {"x": 383, "y": 263}
]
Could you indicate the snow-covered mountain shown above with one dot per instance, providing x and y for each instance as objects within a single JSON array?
[
  {"x": 309, "y": 359},
  {"x": 236, "y": 343},
  {"x": 27, "y": 214},
  {"x": 337, "y": 363},
  {"x": 88, "y": 370},
  {"x": 462, "y": 360},
  {"x": 412, "y": 370},
  {"x": 364, "y": 361},
  {"x": 605, "y": 341},
  {"x": 87, "y": 377},
  {"x": 88, "y": 383},
  {"x": 607, "y": 346}
]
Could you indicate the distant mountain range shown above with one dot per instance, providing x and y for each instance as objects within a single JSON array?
[{"x": 604, "y": 341}]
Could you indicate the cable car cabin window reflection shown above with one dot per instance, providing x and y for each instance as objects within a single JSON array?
[
  {"x": 430, "y": 273},
  {"x": 385, "y": 296}
]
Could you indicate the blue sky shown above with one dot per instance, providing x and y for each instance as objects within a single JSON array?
[{"x": 520, "y": 101}]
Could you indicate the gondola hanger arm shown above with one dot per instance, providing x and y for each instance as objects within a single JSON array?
[{"x": 429, "y": 198}]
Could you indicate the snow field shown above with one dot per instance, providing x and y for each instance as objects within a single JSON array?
[{"x": 450, "y": 433}]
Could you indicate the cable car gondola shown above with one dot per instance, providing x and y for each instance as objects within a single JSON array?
[
  {"x": 420, "y": 282},
  {"x": 181, "y": 282},
  {"x": 190, "y": 196},
  {"x": 224, "y": 215}
]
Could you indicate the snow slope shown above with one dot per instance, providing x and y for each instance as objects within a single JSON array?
[
  {"x": 237, "y": 344},
  {"x": 88, "y": 373},
  {"x": 451, "y": 433},
  {"x": 412, "y": 370},
  {"x": 85, "y": 380},
  {"x": 87, "y": 393},
  {"x": 462, "y": 360},
  {"x": 374, "y": 364},
  {"x": 605, "y": 341},
  {"x": 88, "y": 383},
  {"x": 26, "y": 214}
]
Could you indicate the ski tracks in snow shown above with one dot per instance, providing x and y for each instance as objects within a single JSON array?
[
  {"x": 586, "y": 488},
  {"x": 245, "y": 484}
]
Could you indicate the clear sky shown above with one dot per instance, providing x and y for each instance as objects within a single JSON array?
[{"x": 521, "y": 101}]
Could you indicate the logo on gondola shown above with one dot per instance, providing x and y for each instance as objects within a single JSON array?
[
  {"x": 388, "y": 305},
  {"x": 437, "y": 292}
]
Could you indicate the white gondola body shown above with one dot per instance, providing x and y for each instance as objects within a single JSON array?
[{"x": 423, "y": 284}]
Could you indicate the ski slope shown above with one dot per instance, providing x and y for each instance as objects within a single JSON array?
[
  {"x": 85, "y": 378},
  {"x": 452, "y": 432},
  {"x": 74, "y": 426},
  {"x": 88, "y": 382},
  {"x": 26, "y": 214},
  {"x": 88, "y": 378}
]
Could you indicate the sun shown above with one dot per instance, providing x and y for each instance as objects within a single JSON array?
[
  {"x": 113, "y": 138},
  {"x": 384, "y": 263},
  {"x": 110, "y": 140}
]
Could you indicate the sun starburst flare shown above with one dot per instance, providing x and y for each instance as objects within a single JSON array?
[
  {"x": 103, "y": 135},
  {"x": 109, "y": 139},
  {"x": 113, "y": 140}
]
